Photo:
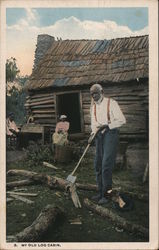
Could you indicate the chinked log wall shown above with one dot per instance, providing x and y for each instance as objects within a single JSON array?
[
  {"x": 132, "y": 98},
  {"x": 42, "y": 107}
]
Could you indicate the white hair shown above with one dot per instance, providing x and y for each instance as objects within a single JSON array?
[{"x": 95, "y": 87}]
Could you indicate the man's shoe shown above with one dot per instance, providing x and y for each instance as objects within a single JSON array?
[
  {"x": 103, "y": 201},
  {"x": 96, "y": 197}
]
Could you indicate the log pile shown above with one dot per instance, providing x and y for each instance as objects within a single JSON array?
[{"x": 48, "y": 216}]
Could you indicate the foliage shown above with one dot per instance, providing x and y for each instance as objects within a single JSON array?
[
  {"x": 37, "y": 153},
  {"x": 12, "y": 70},
  {"x": 15, "y": 98},
  {"x": 15, "y": 103}
]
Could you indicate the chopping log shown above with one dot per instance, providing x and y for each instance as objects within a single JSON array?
[
  {"x": 52, "y": 182},
  {"x": 134, "y": 195},
  {"x": 55, "y": 182},
  {"x": 19, "y": 183},
  {"x": 118, "y": 220},
  {"x": 40, "y": 226},
  {"x": 89, "y": 187}
]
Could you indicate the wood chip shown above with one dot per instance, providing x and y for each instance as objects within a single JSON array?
[
  {"x": 76, "y": 221},
  {"x": 46, "y": 164}
]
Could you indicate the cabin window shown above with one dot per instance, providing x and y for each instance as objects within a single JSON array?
[{"x": 69, "y": 104}]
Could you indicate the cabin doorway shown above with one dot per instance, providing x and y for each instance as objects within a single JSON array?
[{"x": 69, "y": 104}]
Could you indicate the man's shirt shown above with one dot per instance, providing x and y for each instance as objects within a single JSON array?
[{"x": 100, "y": 116}]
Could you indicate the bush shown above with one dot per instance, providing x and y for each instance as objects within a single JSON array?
[{"x": 37, "y": 153}]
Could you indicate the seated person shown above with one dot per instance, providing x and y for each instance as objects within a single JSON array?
[
  {"x": 61, "y": 131},
  {"x": 12, "y": 130},
  {"x": 11, "y": 126}
]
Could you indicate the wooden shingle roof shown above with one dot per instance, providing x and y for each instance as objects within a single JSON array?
[{"x": 82, "y": 62}]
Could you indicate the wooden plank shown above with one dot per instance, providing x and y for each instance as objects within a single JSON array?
[
  {"x": 46, "y": 111},
  {"x": 17, "y": 197},
  {"x": 45, "y": 121},
  {"x": 41, "y": 102},
  {"x": 32, "y": 128},
  {"x": 43, "y": 106},
  {"x": 21, "y": 193},
  {"x": 43, "y": 115},
  {"x": 41, "y": 99},
  {"x": 35, "y": 96}
]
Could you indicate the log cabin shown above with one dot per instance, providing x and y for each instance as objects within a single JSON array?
[
  {"x": 64, "y": 70},
  {"x": 61, "y": 78}
]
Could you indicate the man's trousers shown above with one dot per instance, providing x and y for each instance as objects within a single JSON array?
[{"x": 106, "y": 150}]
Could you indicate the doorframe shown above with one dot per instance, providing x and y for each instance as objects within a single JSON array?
[{"x": 80, "y": 105}]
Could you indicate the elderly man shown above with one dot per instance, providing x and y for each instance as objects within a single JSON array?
[{"x": 106, "y": 118}]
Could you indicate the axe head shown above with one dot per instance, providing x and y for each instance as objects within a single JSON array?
[{"x": 71, "y": 178}]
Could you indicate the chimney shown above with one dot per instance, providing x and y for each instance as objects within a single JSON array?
[{"x": 44, "y": 42}]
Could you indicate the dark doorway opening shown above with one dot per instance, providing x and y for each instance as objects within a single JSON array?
[{"x": 69, "y": 104}]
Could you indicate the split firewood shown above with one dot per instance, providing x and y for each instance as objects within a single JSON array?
[
  {"x": 20, "y": 198},
  {"x": 39, "y": 227},
  {"x": 118, "y": 220},
  {"x": 19, "y": 183},
  {"x": 22, "y": 194},
  {"x": 49, "y": 165},
  {"x": 74, "y": 196}
]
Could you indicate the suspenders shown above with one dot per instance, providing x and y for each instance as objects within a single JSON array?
[{"x": 108, "y": 111}]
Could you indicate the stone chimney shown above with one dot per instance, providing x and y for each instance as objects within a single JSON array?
[{"x": 44, "y": 42}]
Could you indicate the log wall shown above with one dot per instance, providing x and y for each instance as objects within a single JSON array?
[
  {"x": 132, "y": 98},
  {"x": 42, "y": 107}
]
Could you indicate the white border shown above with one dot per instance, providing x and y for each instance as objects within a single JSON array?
[{"x": 153, "y": 118}]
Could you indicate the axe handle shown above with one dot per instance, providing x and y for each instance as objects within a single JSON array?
[
  {"x": 80, "y": 159},
  {"x": 82, "y": 156}
]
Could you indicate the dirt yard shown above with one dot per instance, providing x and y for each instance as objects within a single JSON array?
[{"x": 87, "y": 226}]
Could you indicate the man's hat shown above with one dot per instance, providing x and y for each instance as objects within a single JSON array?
[
  {"x": 63, "y": 117},
  {"x": 11, "y": 114}
]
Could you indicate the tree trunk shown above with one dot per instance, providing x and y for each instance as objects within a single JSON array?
[
  {"x": 40, "y": 226},
  {"x": 119, "y": 221},
  {"x": 52, "y": 182}
]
